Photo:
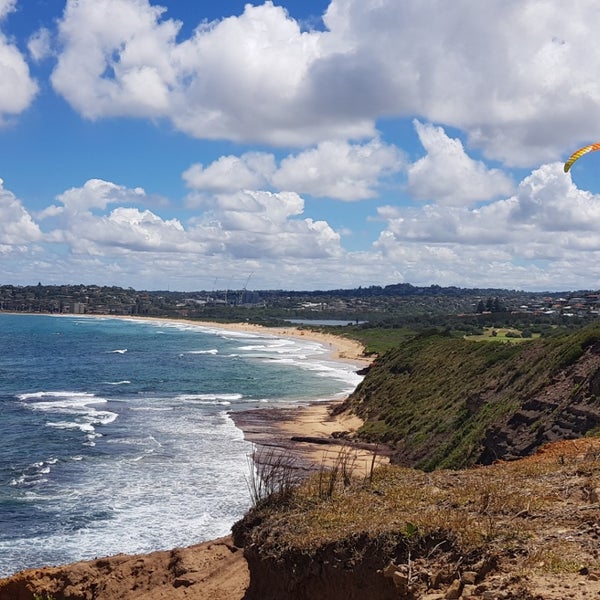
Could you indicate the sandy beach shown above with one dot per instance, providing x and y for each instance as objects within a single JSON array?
[
  {"x": 307, "y": 433},
  {"x": 341, "y": 348}
]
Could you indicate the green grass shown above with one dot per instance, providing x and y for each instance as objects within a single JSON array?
[
  {"x": 435, "y": 396},
  {"x": 501, "y": 334},
  {"x": 375, "y": 340}
]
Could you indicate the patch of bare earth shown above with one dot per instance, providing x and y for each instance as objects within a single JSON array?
[{"x": 211, "y": 571}]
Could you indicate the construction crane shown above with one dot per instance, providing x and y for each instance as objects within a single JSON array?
[{"x": 244, "y": 288}]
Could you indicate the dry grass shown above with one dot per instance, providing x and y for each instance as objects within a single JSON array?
[
  {"x": 539, "y": 512},
  {"x": 273, "y": 476}
]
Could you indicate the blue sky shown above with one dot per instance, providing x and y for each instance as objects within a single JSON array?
[{"x": 305, "y": 144}]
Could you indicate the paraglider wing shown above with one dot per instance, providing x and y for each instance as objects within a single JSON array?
[{"x": 579, "y": 153}]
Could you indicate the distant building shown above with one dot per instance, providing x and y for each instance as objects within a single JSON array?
[{"x": 77, "y": 308}]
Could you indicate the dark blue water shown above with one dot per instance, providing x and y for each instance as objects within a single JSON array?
[{"x": 115, "y": 435}]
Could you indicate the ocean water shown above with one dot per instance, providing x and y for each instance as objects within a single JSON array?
[{"x": 116, "y": 436}]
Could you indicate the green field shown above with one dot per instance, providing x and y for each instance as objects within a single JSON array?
[{"x": 502, "y": 334}]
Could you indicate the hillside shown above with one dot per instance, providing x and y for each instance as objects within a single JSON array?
[
  {"x": 450, "y": 403},
  {"x": 523, "y": 529}
]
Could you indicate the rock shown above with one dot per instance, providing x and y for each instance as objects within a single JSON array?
[
  {"x": 400, "y": 581},
  {"x": 442, "y": 576},
  {"x": 389, "y": 570},
  {"x": 454, "y": 591},
  {"x": 209, "y": 570},
  {"x": 469, "y": 577}
]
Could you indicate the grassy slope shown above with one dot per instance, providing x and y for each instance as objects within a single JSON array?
[
  {"x": 404, "y": 533},
  {"x": 435, "y": 397},
  {"x": 497, "y": 524}
]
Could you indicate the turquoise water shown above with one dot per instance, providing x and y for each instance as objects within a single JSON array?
[{"x": 115, "y": 434}]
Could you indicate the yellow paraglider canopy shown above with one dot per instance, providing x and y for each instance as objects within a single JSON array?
[{"x": 579, "y": 153}]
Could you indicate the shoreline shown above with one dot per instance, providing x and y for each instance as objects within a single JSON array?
[
  {"x": 341, "y": 349},
  {"x": 279, "y": 428},
  {"x": 289, "y": 430},
  {"x": 282, "y": 427},
  {"x": 306, "y": 434},
  {"x": 308, "y": 437}
]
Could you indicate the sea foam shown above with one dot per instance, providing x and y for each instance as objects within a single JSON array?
[{"x": 111, "y": 443}]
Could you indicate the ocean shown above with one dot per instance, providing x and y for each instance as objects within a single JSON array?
[{"x": 116, "y": 435}]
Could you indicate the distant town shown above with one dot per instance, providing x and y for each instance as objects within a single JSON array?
[{"x": 358, "y": 303}]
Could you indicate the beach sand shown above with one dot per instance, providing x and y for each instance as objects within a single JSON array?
[
  {"x": 307, "y": 433},
  {"x": 341, "y": 348}
]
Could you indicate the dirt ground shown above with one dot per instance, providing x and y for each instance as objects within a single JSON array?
[{"x": 212, "y": 571}]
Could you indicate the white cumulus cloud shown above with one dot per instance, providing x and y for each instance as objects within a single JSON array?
[
  {"x": 232, "y": 173},
  {"x": 6, "y": 7},
  {"x": 513, "y": 75},
  {"x": 17, "y": 227},
  {"x": 246, "y": 225},
  {"x": 40, "y": 44},
  {"x": 333, "y": 169},
  {"x": 116, "y": 58},
  {"x": 340, "y": 170},
  {"x": 543, "y": 234},
  {"x": 17, "y": 87},
  {"x": 262, "y": 224},
  {"x": 95, "y": 193},
  {"x": 449, "y": 176}
]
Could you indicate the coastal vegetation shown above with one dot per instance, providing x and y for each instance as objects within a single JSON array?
[
  {"x": 408, "y": 534},
  {"x": 444, "y": 402},
  {"x": 443, "y": 530}
]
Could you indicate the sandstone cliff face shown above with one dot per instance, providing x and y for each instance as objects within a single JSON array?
[
  {"x": 567, "y": 407},
  {"x": 214, "y": 571}
]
